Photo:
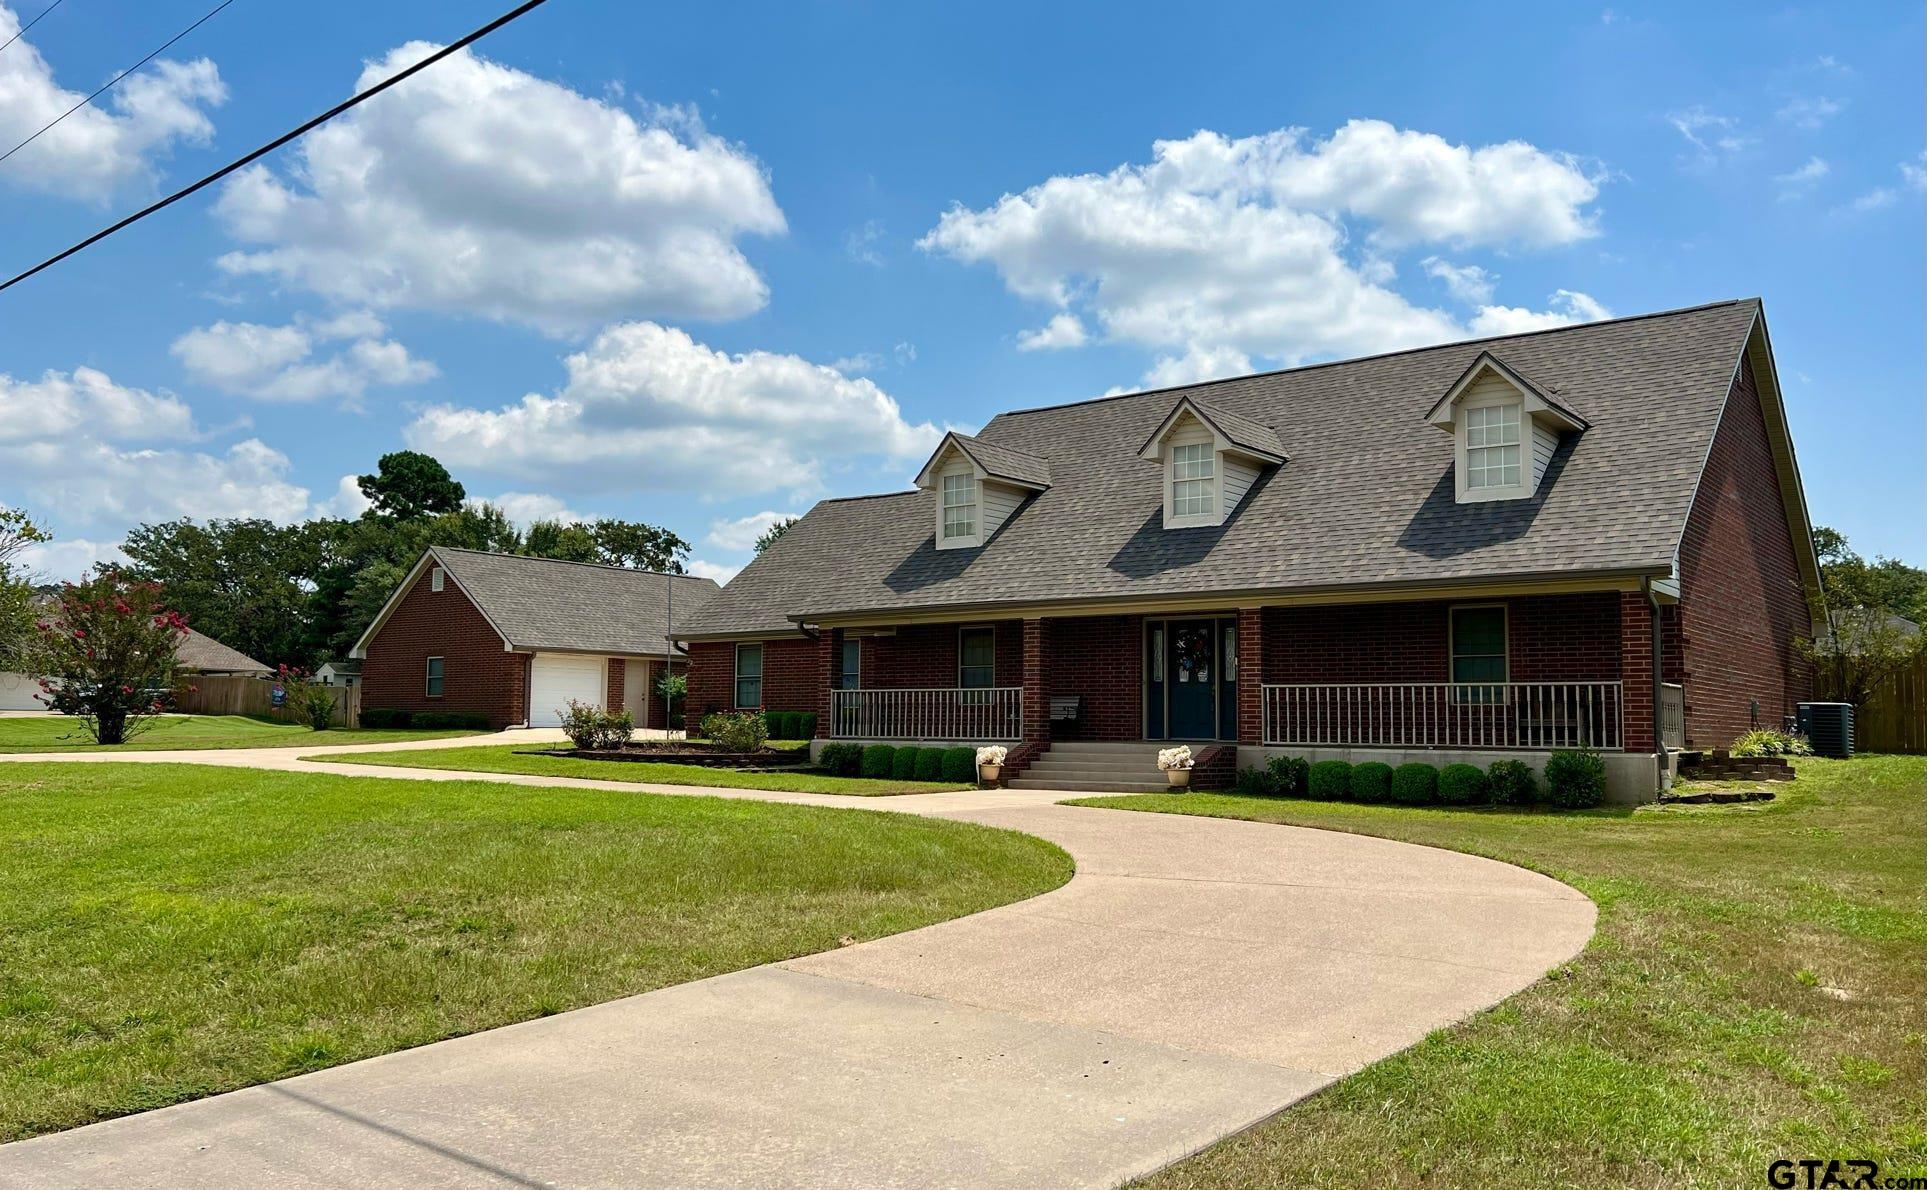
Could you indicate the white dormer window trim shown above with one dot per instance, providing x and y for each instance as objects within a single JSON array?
[
  {"x": 1503, "y": 433},
  {"x": 1192, "y": 492},
  {"x": 1205, "y": 472},
  {"x": 972, "y": 502},
  {"x": 959, "y": 509}
]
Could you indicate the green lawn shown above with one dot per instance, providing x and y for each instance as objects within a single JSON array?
[
  {"x": 62, "y": 734},
  {"x": 1753, "y": 993},
  {"x": 518, "y": 758},
  {"x": 170, "y": 931}
]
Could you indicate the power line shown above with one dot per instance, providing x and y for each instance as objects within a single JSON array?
[
  {"x": 110, "y": 82},
  {"x": 283, "y": 139},
  {"x": 32, "y": 23}
]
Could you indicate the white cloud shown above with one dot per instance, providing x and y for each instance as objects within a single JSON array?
[
  {"x": 1197, "y": 364},
  {"x": 481, "y": 189},
  {"x": 348, "y": 502},
  {"x": 1567, "y": 308},
  {"x": 1467, "y": 283},
  {"x": 1796, "y": 182},
  {"x": 1220, "y": 251},
  {"x": 741, "y": 533},
  {"x": 1708, "y": 132},
  {"x": 98, "y": 150},
  {"x": 1915, "y": 172},
  {"x": 278, "y": 363},
  {"x": 864, "y": 245},
  {"x": 714, "y": 571},
  {"x": 1063, "y": 330},
  {"x": 861, "y": 362},
  {"x": 69, "y": 559},
  {"x": 646, "y": 406},
  {"x": 1875, "y": 199},
  {"x": 1809, "y": 113},
  {"x": 525, "y": 508},
  {"x": 86, "y": 403}
]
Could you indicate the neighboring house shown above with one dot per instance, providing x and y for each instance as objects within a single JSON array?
[
  {"x": 516, "y": 638},
  {"x": 344, "y": 671},
  {"x": 198, "y": 654},
  {"x": 1577, "y": 537}
]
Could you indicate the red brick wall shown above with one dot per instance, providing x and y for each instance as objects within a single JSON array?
[
  {"x": 1549, "y": 638},
  {"x": 1742, "y": 606},
  {"x": 1098, "y": 659},
  {"x": 477, "y": 674},
  {"x": 792, "y": 678},
  {"x": 1636, "y": 666},
  {"x": 924, "y": 656}
]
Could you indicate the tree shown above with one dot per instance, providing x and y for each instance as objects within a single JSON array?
[
  {"x": 1885, "y": 583},
  {"x": 640, "y": 546},
  {"x": 563, "y": 542},
  {"x": 107, "y": 655},
  {"x": 17, "y": 532},
  {"x": 1867, "y": 623},
  {"x": 673, "y": 687},
  {"x": 408, "y": 485},
  {"x": 248, "y": 583},
  {"x": 770, "y": 535}
]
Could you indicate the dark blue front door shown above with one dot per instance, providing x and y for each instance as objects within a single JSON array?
[{"x": 1191, "y": 671}]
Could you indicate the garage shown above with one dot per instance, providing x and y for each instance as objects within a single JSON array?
[
  {"x": 555, "y": 678},
  {"x": 17, "y": 693}
]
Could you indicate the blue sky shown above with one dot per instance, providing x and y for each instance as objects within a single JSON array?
[{"x": 700, "y": 267}]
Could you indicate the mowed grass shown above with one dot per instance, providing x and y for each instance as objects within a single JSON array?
[
  {"x": 63, "y": 734},
  {"x": 1753, "y": 992},
  {"x": 171, "y": 931},
  {"x": 520, "y": 758}
]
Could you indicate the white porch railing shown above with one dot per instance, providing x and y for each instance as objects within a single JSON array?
[
  {"x": 947, "y": 713},
  {"x": 1672, "y": 715},
  {"x": 1524, "y": 715}
]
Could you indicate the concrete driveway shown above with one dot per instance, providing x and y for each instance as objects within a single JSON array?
[{"x": 1196, "y": 976}]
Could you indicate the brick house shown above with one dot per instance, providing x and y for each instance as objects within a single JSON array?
[
  {"x": 515, "y": 638},
  {"x": 1593, "y": 536}
]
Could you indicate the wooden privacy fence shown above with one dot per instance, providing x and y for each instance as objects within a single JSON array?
[
  {"x": 1894, "y": 718},
  {"x": 255, "y": 696}
]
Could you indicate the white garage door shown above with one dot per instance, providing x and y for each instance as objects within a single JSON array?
[
  {"x": 17, "y": 693},
  {"x": 555, "y": 678}
]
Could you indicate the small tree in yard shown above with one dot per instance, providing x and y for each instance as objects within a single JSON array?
[
  {"x": 107, "y": 656},
  {"x": 673, "y": 687},
  {"x": 311, "y": 702}
]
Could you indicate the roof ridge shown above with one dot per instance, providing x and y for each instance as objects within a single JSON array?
[
  {"x": 1360, "y": 359},
  {"x": 869, "y": 496},
  {"x": 456, "y": 549}
]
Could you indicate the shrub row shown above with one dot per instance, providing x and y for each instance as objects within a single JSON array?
[
  {"x": 909, "y": 763},
  {"x": 1574, "y": 780},
  {"x": 427, "y": 720},
  {"x": 790, "y": 725}
]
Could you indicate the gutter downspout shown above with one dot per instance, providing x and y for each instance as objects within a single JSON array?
[{"x": 1652, "y": 605}]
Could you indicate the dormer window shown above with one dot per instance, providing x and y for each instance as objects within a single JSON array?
[
  {"x": 1210, "y": 458},
  {"x": 978, "y": 486},
  {"x": 1505, "y": 431},
  {"x": 959, "y": 506}
]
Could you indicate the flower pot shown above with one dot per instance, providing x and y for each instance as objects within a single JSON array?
[
  {"x": 1179, "y": 778},
  {"x": 990, "y": 774}
]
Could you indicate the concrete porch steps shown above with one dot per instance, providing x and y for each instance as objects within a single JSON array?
[{"x": 1127, "y": 767}]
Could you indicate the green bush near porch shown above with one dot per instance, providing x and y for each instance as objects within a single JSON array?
[
  {"x": 1372, "y": 782},
  {"x": 1462, "y": 785},
  {"x": 1415, "y": 784},
  {"x": 1330, "y": 781},
  {"x": 878, "y": 760},
  {"x": 903, "y": 762}
]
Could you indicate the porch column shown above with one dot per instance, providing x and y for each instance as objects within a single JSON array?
[
  {"x": 829, "y": 659},
  {"x": 1036, "y": 703},
  {"x": 1251, "y": 676},
  {"x": 1636, "y": 671}
]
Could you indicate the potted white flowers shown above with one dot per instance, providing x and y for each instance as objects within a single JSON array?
[
  {"x": 1176, "y": 763},
  {"x": 990, "y": 763}
]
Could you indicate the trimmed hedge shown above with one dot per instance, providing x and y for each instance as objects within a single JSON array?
[
  {"x": 877, "y": 759},
  {"x": 1290, "y": 776},
  {"x": 843, "y": 760},
  {"x": 445, "y": 720},
  {"x": 904, "y": 766},
  {"x": 1462, "y": 785},
  {"x": 929, "y": 764},
  {"x": 1371, "y": 782},
  {"x": 1575, "y": 780},
  {"x": 960, "y": 765},
  {"x": 777, "y": 723},
  {"x": 1415, "y": 784},
  {"x": 806, "y": 725},
  {"x": 1511, "y": 783},
  {"x": 1330, "y": 780},
  {"x": 387, "y": 717},
  {"x": 1252, "y": 782}
]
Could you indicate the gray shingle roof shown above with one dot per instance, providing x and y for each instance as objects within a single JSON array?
[
  {"x": 1367, "y": 497},
  {"x": 1005, "y": 462},
  {"x": 538, "y": 603},
  {"x": 1241, "y": 431},
  {"x": 203, "y": 654}
]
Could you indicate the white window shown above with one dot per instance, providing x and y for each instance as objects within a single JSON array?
[
  {"x": 749, "y": 675},
  {"x": 1193, "y": 480},
  {"x": 959, "y": 506},
  {"x": 436, "y": 577},
  {"x": 1492, "y": 446}
]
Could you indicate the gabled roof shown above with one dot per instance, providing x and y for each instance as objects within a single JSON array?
[
  {"x": 998, "y": 462},
  {"x": 539, "y": 604},
  {"x": 203, "y": 654},
  {"x": 1492, "y": 363},
  {"x": 1366, "y": 503},
  {"x": 1251, "y": 436}
]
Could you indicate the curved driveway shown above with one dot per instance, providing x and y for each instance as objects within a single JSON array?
[{"x": 1195, "y": 976}]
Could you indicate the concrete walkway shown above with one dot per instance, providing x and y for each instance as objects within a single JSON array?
[{"x": 1195, "y": 976}]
